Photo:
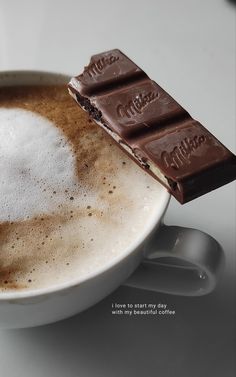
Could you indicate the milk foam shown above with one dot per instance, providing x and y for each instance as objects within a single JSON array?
[
  {"x": 35, "y": 162},
  {"x": 70, "y": 200}
]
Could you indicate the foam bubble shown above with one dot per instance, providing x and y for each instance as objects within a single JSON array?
[{"x": 35, "y": 162}]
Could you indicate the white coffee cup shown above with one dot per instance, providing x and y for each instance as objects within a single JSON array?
[{"x": 190, "y": 265}]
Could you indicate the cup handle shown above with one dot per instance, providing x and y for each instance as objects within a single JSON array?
[{"x": 179, "y": 261}]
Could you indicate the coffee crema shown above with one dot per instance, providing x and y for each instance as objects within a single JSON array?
[{"x": 70, "y": 200}]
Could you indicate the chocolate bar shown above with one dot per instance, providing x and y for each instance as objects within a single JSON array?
[{"x": 152, "y": 127}]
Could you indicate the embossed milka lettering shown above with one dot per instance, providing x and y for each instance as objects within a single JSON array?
[
  {"x": 181, "y": 154},
  {"x": 97, "y": 67},
  {"x": 136, "y": 105}
]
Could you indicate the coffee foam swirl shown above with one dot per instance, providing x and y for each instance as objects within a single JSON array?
[
  {"x": 35, "y": 163},
  {"x": 70, "y": 200}
]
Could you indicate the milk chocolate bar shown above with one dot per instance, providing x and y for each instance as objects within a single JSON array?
[{"x": 152, "y": 127}]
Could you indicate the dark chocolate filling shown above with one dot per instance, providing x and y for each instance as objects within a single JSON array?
[{"x": 92, "y": 110}]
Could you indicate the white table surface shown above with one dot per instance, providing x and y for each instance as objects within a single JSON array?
[{"x": 188, "y": 47}]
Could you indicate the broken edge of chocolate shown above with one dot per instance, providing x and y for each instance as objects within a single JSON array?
[{"x": 152, "y": 127}]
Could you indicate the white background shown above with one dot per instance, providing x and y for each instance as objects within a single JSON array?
[{"x": 188, "y": 47}]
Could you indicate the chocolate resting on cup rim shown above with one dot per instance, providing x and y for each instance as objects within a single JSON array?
[{"x": 152, "y": 127}]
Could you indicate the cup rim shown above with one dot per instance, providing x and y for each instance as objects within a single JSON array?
[{"x": 164, "y": 198}]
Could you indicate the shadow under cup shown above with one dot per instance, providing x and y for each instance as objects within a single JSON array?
[{"x": 31, "y": 307}]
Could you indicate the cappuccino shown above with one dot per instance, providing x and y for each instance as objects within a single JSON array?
[{"x": 70, "y": 199}]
